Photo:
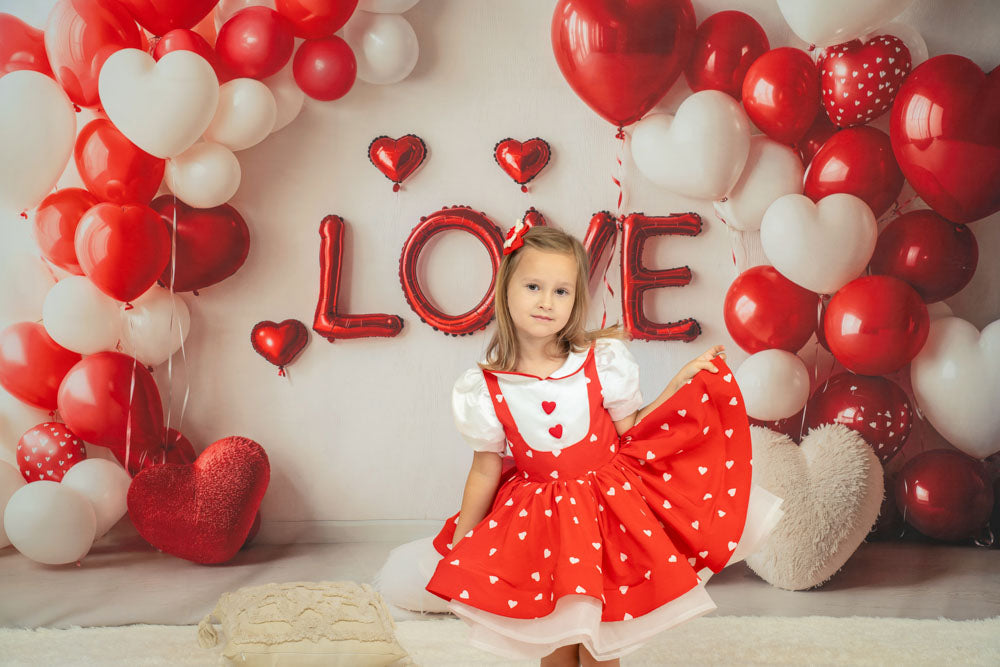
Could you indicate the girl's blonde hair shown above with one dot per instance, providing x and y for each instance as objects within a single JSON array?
[{"x": 501, "y": 353}]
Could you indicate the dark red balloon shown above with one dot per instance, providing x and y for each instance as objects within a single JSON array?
[
  {"x": 764, "y": 310},
  {"x": 313, "y": 19},
  {"x": 875, "y": 325},
  {"x": 21, "y": 47},
  {"x": 279, "y": 343},
  {"x": 944, "y": 494},
  {"x": 255, "y": 42},
  {"x": 325, "y": 69},
  {"x": 790, "y": 426},
  {"x": 32, "y": 364},
  {"x": 814, "y": 138},
  {"x": 522, "y": 161},
  {"x": 619, "y": 56},
  {"x": 79, "y": 37},
  {"x": 211, "y": 244},
  {"x": 176, "y": 449},
  {"x": 183, "y": 39},
  {"x": 781, "y": 94},
  {"x": 875, "y": 407},
  {"x": 859, "y": 162},
  {"x": 945, "y": 132},
  {"x": 113, "y": 168},
  {"x": 725, "y": 45},
  {"x": 936, "y": 257},
  {"x": 397, "y": 158},
  {"x": 161, "y": 16},
  {"x": 55, "y": 226}
]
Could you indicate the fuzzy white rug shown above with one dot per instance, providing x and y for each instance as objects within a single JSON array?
[{"x": 708, "y": 640}]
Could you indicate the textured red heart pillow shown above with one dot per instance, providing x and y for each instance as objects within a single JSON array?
[{"x": 201, "y": 511}]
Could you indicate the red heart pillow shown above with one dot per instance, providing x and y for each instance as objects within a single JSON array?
[{"x": 202, "y": 511}]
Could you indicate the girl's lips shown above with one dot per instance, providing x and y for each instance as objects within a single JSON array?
[{"x": 540, "y": 317}]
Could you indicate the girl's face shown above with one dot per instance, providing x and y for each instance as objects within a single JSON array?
[{"x": 541, "y": 293}]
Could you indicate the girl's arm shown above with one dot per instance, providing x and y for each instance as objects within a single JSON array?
[
  {"x": 480, "y": 489},
  {"x": 704, "y": 362}
]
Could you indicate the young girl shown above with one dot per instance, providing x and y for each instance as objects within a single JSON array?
[{"x": 604, "y": 530}]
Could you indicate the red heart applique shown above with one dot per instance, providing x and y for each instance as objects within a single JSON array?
[
  {"x": 202, "y": 511},
  {"x": 859, "y": 81},
  {"x": 279, "y": 343},
  {"x": 548, "y": 406},
  {"x": 522, "y": 162},
  {"x": 397, "y": 158},
  {"x": 556, "y": 431},
  {"x": 47, "y": 451}
]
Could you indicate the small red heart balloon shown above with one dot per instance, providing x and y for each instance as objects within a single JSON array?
[
  {"x": 860, "y": 81},
  {"x": 522, "y": 162},
  {"x": 397, "y": 158},
  {"x": 279, "y": 343},
  {"x": 47, "y": 451},
  {"x": 55, "y": 226}
]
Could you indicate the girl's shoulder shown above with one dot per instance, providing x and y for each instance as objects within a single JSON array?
[{"x": 471, "y": 381}]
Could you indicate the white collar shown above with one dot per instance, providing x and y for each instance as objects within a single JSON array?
[{"x": 571, "y": 366}]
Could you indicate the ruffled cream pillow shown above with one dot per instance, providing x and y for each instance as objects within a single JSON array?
[{"x": 305, "y": 623}]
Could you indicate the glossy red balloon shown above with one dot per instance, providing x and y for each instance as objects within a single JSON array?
[
  {"x": 79, "y": 37},
  {"x": 875, "y": 407},
  {"x": 32, "y": 364},
  {"x": 113, "y": 168},
  {"x": 122, "y": 249},
  {"x": 176, "y": 449},
  {"x": 764, "y": 310},
  {"x": 522, "y": 161},
  {"x": 325, "y": 69},
  {"x": 55, "y": 226},
  {"x": 725, "y": 45},
  {"x": 397, "y": 158},
  {"x": 814, "y": 138},
  {"x": 161, "y": 16},
  {"x": 279, "y": 343},
  {"x": 945, "y": 131},
  {"x": 211, "y": 244},
  {"x": 859, "y": 162},
  {"x": 313, "y": 19},
  {"x": 21, "y": 47},
  {"x": 875, "y": 325},
  {"x": 944, "y": 494},
  {"x": 860, "y": 80},
  {"x": 619, "y": 56},
  {"x": 255, "y": 42},
  {"x": 936, "y": 257},
  {"x": 781, "y": 94},
  {"x": 182, "y": 39}
]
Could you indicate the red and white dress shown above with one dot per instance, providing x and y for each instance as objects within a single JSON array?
[{"x": 592, "y": 537}]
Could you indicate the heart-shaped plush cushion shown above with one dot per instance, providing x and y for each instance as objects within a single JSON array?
[
  {"x": 832, "y": 485},
  {"x": 202, "y": 511}
]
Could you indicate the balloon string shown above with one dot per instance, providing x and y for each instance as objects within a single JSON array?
[
  {"x": 173, "y": 312},
  {"x": 617, "y": 177},
  {"x": 131, "y": 394}
]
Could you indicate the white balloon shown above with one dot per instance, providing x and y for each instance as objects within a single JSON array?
[
  {"x": 204, "y": 176},
  {"x": 774, "y": 384},
  {"x": 226, "y": 8},
  {"x": 911, "y": 37},
  {"x": 386, "y": 6},
  {"x": 37, "y": 133},
  {"x": 245, "y": 115},
  {"x": 772, "y": 170},
  {"x": 105, "y": 485},
  {"x": 288, "y": 97},
  {"x": 163, "y": 106},
  {"x": 155, "y": 327},
  {"x": 81, "y": 317},
  {"x": 939, "y": 309},
  {"x": 26, "y": 281},
  {"x": 821, "y": 246},
  {"x": 11, "y": 480},
  {"x": 700, "y": 151},
  {"x": 822, "y": 22},
  {"x": 956, "y": 381},
  {"x": 384, "y": 45},
  {"x": 50, "y": 523}
]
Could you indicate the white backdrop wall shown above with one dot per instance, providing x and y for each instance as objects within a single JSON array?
[{"x": 360, "y": 433}]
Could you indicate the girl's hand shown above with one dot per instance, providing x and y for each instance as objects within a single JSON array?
[{"x": 704, "y": 362}]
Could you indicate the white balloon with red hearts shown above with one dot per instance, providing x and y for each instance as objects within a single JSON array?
[{"x": 47, "y": 451}]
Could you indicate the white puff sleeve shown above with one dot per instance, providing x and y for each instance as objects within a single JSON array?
[
  {"x": 474, "y": 414},
  {"x": 619, "y": 375}
]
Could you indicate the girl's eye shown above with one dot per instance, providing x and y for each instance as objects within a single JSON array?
[
  {"x": 532, "y": 286},
  {"x": 562, "y": 291}
]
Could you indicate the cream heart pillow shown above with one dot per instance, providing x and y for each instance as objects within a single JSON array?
[{"x": 832, "y": 485}]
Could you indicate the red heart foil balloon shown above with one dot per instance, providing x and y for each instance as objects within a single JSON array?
[
  {"x": 522, "y": 162},
  {"x": 859, "y": 81},
  {"x": 47, "y": 451},
  {"x": 202, "y": 511},
  {"x": 397, "y": 158},
  {"x": 279, "y": 343},
  {"x": 211, "y": 243},
  {"x": 945, "y": 130}
]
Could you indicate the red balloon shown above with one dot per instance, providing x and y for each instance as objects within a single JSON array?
[
  {"x": 55, "y": 226},
  {"x": 875, "y": 407},
  {"x": 814, "y": 138},
  {"x": 875, "y": 325},
  {"x": 325, "y": 69},
  {"x": 397, "y": 158},
  {"x": 858, "y": 161},
  {"x": 725, "y": 46},
  {"x": 182, "y": 39},
  {"x": 313, "y": 19},
  {"x": 161, "y": 16},
  {"x": 176, "y": 449},
  {"x": 79, "y": 37},
  {"x": 47, "y": 451},
  {"x": 256, "y": 42},
  {"x": 32, "y": 364},
  {"x": 21, "y": 47},
  {"x": 790, "y": 426},
  {"x": 279, "y": 343},
  {"x": 113, "y": 168},
  {"x": 944, "y": 133},
  {"x": 765, "y": 310},
  {"x": 211, "y": 244},
  {"x": 621, "y": 57},
  {"x": 936, "y": 257},
  {"x": 122, "y": 249},
  {"x": 110, "y": 400},
  {"x": 781, "y": 94},
  {"x": 944, "y": 494},
  {"x": 860, "y": 81},
  {"x": 522, "y": 162}
]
